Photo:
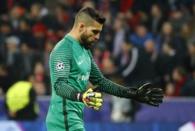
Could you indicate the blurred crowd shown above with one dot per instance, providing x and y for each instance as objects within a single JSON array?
[{"x": 142, "y": 41}]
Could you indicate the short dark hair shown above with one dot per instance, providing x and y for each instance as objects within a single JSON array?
[{"x": 94, "y": 14}]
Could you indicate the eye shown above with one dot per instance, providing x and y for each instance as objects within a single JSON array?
[{"x": 95, "y": 31}]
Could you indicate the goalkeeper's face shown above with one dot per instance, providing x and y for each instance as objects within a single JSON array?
[{"x": 91, "y": 34}]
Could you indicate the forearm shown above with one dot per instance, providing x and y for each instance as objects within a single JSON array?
[
  {"x": 64, "y": 90},
  {"x": 109, "y": 87}
]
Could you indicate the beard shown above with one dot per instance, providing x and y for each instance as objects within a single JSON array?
[{"x": 85, "y": 42}]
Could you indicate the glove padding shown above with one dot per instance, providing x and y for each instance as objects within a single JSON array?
[
  {"x": 148, "y": 94},
  {"x": 91, "y": 99}
]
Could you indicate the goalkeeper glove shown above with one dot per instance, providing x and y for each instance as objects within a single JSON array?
[
  {"x": 91, "y": 99},
  {"x": 147, "y": 94}
]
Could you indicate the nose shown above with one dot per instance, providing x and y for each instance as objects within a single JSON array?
[{"x": 97, "y": 37}]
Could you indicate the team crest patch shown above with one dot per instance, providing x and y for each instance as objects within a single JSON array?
[{"x": 59, "y": 66}]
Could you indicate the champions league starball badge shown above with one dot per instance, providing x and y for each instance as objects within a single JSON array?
[{"x": 59, "y": 66}]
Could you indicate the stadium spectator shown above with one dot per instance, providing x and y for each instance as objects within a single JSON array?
[
  {"x": 166, "y": 62},
  {"x": 119, "y": 35},
  {"x": 12, "y": 55},
  {"x": 21, "y": 104},
  {"x": 26, "y": 60},
  {"x": 130, "y": 65},
  {"x": 5, "y": 31},
  {"x": 140, "y": 36},
  {"x": 188, "y": 90},
  {"x": 155, "y": 19},
  {"x": 39, "y": 36},
  {"x": 178, "y": 17},
  {"x": 24, "y": 32},
  {"x": 16, "y": 14},
  {"x": 35, "y": 13},
  {"x": 41, "y": 80},
  {"x": 180, "y": 79},
  {"x": 191, "y": 60},
  {"x": 168, "y": 35}
]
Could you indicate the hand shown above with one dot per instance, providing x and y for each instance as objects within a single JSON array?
[
  {"x": 148, "y": 94},
  {"x": 91, "y": 99}
]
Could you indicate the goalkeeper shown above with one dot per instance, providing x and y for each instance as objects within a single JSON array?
[{"x": 72, "y": 67}]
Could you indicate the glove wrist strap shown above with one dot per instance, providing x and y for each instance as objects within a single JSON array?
[
  {"x": 132, "y": 92},
  {"x": 79, "y": 97}
]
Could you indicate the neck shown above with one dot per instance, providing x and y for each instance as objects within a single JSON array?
[{"x": 74, "y": 33}]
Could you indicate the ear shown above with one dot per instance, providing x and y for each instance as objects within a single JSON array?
[{"x": 81, "y": 27}]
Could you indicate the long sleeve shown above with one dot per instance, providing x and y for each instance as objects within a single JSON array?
[
  {"x": 105, "y": 85},
  {"x": 60, "y": 64}
]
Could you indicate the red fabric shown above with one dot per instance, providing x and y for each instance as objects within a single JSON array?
[
  {"x": 133, "y": 22},
  {"x": 98, "y": 62},
  {"x": 52, "y": 36},
  {"x": 125, "y": 5},
  {"x": 105, "y": 55},
  {"x": 39, "y": 27},
  {"x": 178, "y": 86},
  {"x": 10, "y": 4}
]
